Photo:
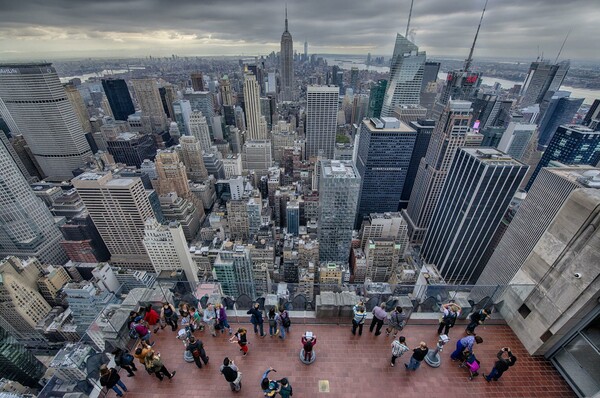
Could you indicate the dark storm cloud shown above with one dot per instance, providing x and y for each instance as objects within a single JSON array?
[{"x": 511, "y": 28}]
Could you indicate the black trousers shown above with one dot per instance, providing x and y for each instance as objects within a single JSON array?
[
  {"x": 129, "y": 368},
  {"x": 202, "y": 358},
  {"x": 379, "y": 323},
  {"x": 445, "y": 327},
  {"x": 357, "y": 325},
  {"x": 172, "y": 323},
  {"x": 163, "y": 371}
]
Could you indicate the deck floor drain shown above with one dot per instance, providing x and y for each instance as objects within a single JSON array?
[{"x": 323, "y": 385}]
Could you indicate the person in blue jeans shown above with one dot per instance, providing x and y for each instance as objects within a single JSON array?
[
  {"x": 110, "y": 378},
  {"x": 257, "y": 319},
  {"x": 466, "y": 343},
  {"x": 418, "y": 355},
  {"x": 501, "y": 365}
]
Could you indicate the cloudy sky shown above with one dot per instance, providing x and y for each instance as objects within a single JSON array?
[{"x": 52, "y": 29}]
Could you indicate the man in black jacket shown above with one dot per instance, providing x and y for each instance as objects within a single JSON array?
[
  {"x": 196, "y": 347},
  {"x": 477, "y": 318},
  {"x": 257, "y": 319},
  {"x": 501, "y": 365}
]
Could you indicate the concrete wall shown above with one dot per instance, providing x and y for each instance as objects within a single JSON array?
[{"x": 556, "y": 297}]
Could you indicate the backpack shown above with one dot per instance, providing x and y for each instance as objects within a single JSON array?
[
  {"x": 285, "y": 320},
  {"x": 133, "y": 334},
  {"x": 127, "y": 358},
  {"x": 230, "y": 374}
]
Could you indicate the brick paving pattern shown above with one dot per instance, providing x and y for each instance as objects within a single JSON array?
[{"x": 354, "y": 366}]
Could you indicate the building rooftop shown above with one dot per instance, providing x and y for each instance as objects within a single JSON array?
[{"x": 348, "y": 364}]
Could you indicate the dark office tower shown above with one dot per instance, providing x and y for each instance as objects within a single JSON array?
[
  {"x": 229, "y": 115},
  {"x": 406, "y": 76},
  {"x": 354, "y": 79},
  {"x": 424, "y": 128},
  {"x": 35, "y": 104},
  {"x": 541, "y": 78},
  {"x": 480, "y": 184},
  {"x": 168, "y": 95},
  {"x": 17, "y": 363},
  {"x": 592, "y": 118},
  {"x": 450, "y": 133},
  {"x": 287, "y": 63},
  {"x": 82, "y": 241},
  {"x": 571, "y": 144},
  {"x": 430, "y": 74},
  {"x": 198, "y": 81},
  {"x": 119, "y": 98},
  {"x": 132, "y": 148},
  {"x": 561, "y": 110},
  {"x": 376, "y": 98},
  {"x": 385, "y": 147}
]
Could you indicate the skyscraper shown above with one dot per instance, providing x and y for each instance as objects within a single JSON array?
[
  {"x": 383, "y": 257},
  {"x": 182, "y": 115},
  {"x": 27, "y": 228},
  {"x": 191, "y": 155},
  {"x": 322, "y": 103},
  {"x": 561, "y": 110},
  {"x": 74, "y": 97},
  {"x": 154, "y": 119},
  {"x": 119, "y": 208},
  {"x": 287, "y": 63},
  {"x": 225, "y": 90},
  {"x": 168, "y": 95},
  {"x": 21, "y": 304},
  {"x": 253, "y": 113},
  {"x": 406, "y": 76},
  {"x": 171, "y": 174},
  {"x": 233, "y": 268},
  {"x": 197, "y": 81},
  {"x": 168, "y": 250},
  {"x": 17, "y": 363},
  {"x": 592, "y": 117},
  {"x": 449, "y": 135},
  {"x": 36, "y": 101},
  {"x": 541, "y": 78},
  {"x": 515, "y": 139},
  {"x": 571, "y": 144},
  {"x": 119, "y": 98},
  {"x": 376, "y": 98},
  {"x": 424, "y": 129},
  {"x": 199, "y": 129},
  {"x": 339, "y": 189},
  {"x": 480, "y": 184},
  {"x": 384, "y": 151},
  {"x": 547, "y": 195}
]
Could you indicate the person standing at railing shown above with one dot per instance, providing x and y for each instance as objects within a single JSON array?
[
  {"x": 222, "y": 318},
  {"x": 273, "y": 329},
  {"x": 210, "y": 317},
  {"x": 359, "y": 317},
  {"x": 152, "y": 317},
  {"x": 450, "y": 312},
  {"x": 168, "y": 315},
  {"x": 397, "y": 319},
  {"x": 379, "y": 315},
  {"x": 477, "y": 318},
  {"x": 279, "y": 320},
  {"x": 110, "y": 378},
  {"x": 256, "y": 318}
]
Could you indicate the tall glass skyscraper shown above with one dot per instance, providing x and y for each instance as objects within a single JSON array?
[
  {"x": 571, "y": 144},
  {"x": 339, "y": 188},
  {"x": 385, "y": 147},
  {"x": 480, "y": 184},
  {"x": 376, "y": 98},
  {"x": 27, "y": 228},
  {"x": 118, "y": 97},
  {"x": 322, "y": 103},
  {"x": 541, "y": 78},
  {"x": 561, "y": 110},
  {"x": 17, "y": 363},
  {"x": 406, "y": 76},
  {"x": 37, "y": 103}
]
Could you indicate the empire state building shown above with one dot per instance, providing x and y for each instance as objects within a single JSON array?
[{"x": 287, "y": 63}]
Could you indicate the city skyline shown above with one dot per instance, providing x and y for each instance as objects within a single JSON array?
[{"x": 441, "y": 29}]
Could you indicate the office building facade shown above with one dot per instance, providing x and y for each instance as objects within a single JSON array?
[
  {"x": 36, "y": 102},
  {"x": 541, "y": 78},
  {"x": 385, "y": 147},
  {"x": 480, "y": 184},
  {"x": 322, "y": 104},
  {"x": 119, "y": 98},
  {"x": 339, "y": 190}
]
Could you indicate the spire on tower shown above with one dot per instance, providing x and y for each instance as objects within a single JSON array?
[
  {"x": 409, "y": 15},
  {"x": 563, "y": 45},
  {"x": 469, "y": 60},
  {"x": 286, "y": 22}
]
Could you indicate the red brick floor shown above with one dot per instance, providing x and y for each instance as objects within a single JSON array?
[{"x": 354, "y": 366}]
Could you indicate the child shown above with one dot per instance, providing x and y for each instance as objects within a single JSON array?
[
  {"x": 242, "y": 340},
  {"x": 398, "y": 349}
]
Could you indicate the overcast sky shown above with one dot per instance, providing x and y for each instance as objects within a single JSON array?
[{"x": 53, "y": 29}]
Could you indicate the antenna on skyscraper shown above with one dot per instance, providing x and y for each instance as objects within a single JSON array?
[
  {"x": 409, "y": 15},
  {"x": 469, "y": 60},
  {"x": 563, "y": 44},
  {"x": 286, "y": 23}
]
